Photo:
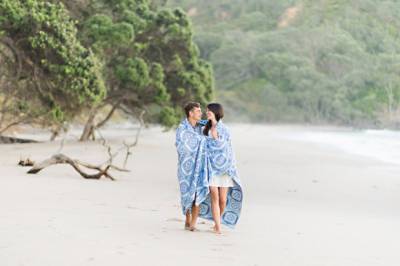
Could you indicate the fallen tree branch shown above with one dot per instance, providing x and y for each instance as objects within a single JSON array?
[
  {"x": 127, "y": 146},
  {"x": 77, "y": 165},
  {"x": 26, "y": 162},
  {"x": 102, "y": 169},
  {"x": 9, "y": 140}
]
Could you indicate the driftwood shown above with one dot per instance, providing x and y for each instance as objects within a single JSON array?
[
  {"x": 77, "y": 165},
  {"x": 102, "y": 169},
  {"x": 128, "y": 146},
  {"x": 26, "y": 162},
  {"x": 8, "y": 140}
]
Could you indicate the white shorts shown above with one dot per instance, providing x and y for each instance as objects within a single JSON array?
[{"x": 222, "y": 181}]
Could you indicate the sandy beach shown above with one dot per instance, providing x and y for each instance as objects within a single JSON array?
[{"x": 305, "y": 204}]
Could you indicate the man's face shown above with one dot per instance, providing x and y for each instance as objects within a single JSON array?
[{"x": 195, "y": 114}]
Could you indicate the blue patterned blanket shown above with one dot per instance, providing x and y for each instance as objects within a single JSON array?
[{"x": 200, "y": 158}]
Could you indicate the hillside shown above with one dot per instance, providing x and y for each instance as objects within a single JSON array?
[{"x": 331, "y": 61}]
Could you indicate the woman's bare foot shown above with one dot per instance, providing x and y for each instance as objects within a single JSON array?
[{"x": 217, "y": 230}]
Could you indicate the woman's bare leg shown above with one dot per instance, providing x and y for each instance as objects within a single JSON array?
[
  {"x": 223, "y": 195},
  {"x": 215, "y": 209}
]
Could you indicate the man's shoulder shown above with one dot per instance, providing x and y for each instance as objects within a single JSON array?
[{"x": 183, "y": 126}]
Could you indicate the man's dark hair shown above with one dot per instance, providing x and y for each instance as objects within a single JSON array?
[{"x": 189, "y": 107}]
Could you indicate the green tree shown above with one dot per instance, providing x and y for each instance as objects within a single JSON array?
[
  {"x": 303, "y": 60},
  {"x": 49, "y": 76},
  {"x": 151, "y": 62}
]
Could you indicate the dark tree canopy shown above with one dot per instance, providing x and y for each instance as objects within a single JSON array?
[
  {"x": 69, "y": 56},
  {"x": 49, "y": 74}
]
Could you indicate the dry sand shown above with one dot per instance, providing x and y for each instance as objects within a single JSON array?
[{"x": 304, "y": 205}]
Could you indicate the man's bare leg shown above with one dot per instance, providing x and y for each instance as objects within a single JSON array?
[
  {"x": 195, "y": 214},
  {"x": 188, "y": 220}
]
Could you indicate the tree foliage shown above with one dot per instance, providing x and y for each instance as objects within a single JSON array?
[
  {"x": 303, "y": 60},
  {"x": 151, "y": 60},
  {"x": 63, "y": 57},
  {"x": 48, "y": 74}
]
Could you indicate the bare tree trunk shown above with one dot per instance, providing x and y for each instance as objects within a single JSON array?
[
  {"x": 13, "y": 124},
  {"x": 55, "y": 132},
  {"x": 109, "y": 115},
  {"x": 88, "y": 131},
  {"x": 90, "y": 127}
]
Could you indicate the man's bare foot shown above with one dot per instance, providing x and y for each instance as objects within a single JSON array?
[
  {"x": 193, "y": 229},
  {"x": 187, "y": 221},
  {"x": 187, "y": 226}
]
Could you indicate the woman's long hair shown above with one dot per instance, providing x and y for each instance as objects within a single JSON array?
[{"x": 218, "y": 111}]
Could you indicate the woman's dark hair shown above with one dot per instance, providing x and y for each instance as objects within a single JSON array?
[{"x": 218, "y": 111}]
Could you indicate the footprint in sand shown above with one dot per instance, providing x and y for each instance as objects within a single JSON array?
[{"x": 174, "y": 220}]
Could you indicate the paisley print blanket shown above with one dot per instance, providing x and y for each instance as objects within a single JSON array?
[{"x": 199, "y": 159}]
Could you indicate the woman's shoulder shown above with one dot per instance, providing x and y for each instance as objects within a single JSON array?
[
  {"x": 221, "y": 124},
  {"x": 221, "y": 127}
]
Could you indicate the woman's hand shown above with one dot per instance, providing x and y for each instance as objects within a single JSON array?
[{"x": 214, "y": 123}]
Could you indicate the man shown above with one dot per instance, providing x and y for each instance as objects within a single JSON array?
[{"x": 192, "y": 176}]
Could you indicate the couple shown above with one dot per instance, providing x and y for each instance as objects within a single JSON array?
[{"x": 208, "y": 179}]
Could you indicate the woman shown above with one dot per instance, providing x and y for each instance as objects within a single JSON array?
[{"x": 224, "y": 183}]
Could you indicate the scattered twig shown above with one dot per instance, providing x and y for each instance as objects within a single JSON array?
[
  {"x": 62, "y": 144},
  {"x": 129, "y": 146}
]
